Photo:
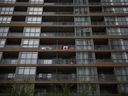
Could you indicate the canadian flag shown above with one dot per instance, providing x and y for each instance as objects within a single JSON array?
[{"x": 65, "y": 47}]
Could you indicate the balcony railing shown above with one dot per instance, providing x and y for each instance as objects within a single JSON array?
[
  {"x": 68, "y": 3},
  {"x": 57, "y": 47},
  {"x": 65, "y": 61},
  {"x": 101, "y": 47},
  {"x": 67, "y": 77},
  {"x": 99, "y": 33},
  {"x": 15, "y": 34},
  {"x": 98, "y": 23},
  {"x": 55, "y": 13},
  {"x": 104, "y": 60},
  {"x": 12, "y": 46},
  {"x": 57, "y": 34},
  {"x": 9, "y": 61},
  {"x": 56, "y": 61},
  {"x": 58, "y": 23},
  {"x": 77, "y": 94}
]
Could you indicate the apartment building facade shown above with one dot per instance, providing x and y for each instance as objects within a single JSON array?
[{"x": 83, "y": 43}]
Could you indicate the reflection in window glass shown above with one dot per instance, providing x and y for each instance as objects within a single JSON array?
[
  {"x": 119, "y": 57},
  {"x": 85, "y": 58},
  {"x": 26, "y": 70},
  {"x": 5, "y": 19},
  {"x": 35, "y": 10},
  {"x": 1, "y": 55},
  {"x": 33, "y": 19},
  {"x": 32, "y": 31},
  {"x": 3, "y": 31},
  {"x": 2, "y": 42},
  {"x": 30, "y": 43},
  {"x": 117, "y": 44},
  {"x": 28, "y": 58},
  {"x": 85, "y": 44},
  {"x": 6, "y": 10},
  {"x": 8, "y": 1},
  {"x": 37, "y": 1}
]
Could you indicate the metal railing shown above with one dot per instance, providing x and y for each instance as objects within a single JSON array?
[
  {"x": 58, "y": 23},
  {"x": 57, "y": 34},
  {"x": 101, "y": 47},
  {"x": 57, "y": 47},
  {"x": 64, "y": 77},
  {"x": 68, "y": 3},
  {"x": 15, "y": 34},
  {"x": 56, "y": 61},
  {"x": 9, "y": 61},
  {"x": 99, "y": 33},
  {"x": 55, "y": 13},
  {"x": 99, "y": 23},
  {"x": 104, "y": 60}
]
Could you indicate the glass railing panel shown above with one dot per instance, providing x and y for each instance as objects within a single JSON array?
[
  {"x": 57, "y": 34},
  {"x": 99, "y": 33},
  {"x": 9, "y": 61},
  {"x": 101, "y": 47},
  {"x": 57, "y": 47},
  {"x": 56, "y": 61},
  {"x": 15, "y": 34},
  {"x": 65, "y": 77}
]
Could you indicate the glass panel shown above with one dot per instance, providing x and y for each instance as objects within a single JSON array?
[{"x": 35, "y": 10}]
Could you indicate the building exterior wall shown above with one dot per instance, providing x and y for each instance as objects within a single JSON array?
[{"x": 83, "y": 43}]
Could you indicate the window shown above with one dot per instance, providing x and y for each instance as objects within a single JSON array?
[
  {"x": 117, "y": 44},
  {"x": 1, "y": 55},
  {"x": 116, "y": 9},
  {"x": 117, "y": 31},
  {"x": 4, "y": 31},
  {"x": 116, "y": 1},
  {"x": 28, "y": 58},
  {"x": 37, "y": 1},
  {"x": 32, "y": 31},
  {"x": 124, "y": 31},
  {"x": 6, "y": 10},
  {"x": 121, "y": 73},
  {"x": 79, "y": 1},
  {"x": 110, "y": 20},
  {"x": 81, "y": 20},
  {"x": 83, "y": 31},
  {"x": 33, "y": 19},
  {"x": 8, "y": 1},
  {"x": 80, "y": 10},
  {"x": 85, "y": 44},
  {"x": 123, "y": 88},
  {"x": 2, "y": 42},
  {"x": 122, "y": 20},
  {"x": 26, "y": 70},
  {"x": 121, "y": 10},
  {"x": 125, "y": 44},
  {"x": 119, "y": 57},
  {"x": 85, "y": 58},
  {"x": 86, "y": 73},
  {"x": 35, "y": 10},
  {"x": 30, "y": 43},
  {"x": 5, "y": 19}
]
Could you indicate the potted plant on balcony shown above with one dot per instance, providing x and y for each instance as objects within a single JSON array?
[
  {"x": 18, "y": 89},
  {"x": 62, "y": 90}
]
